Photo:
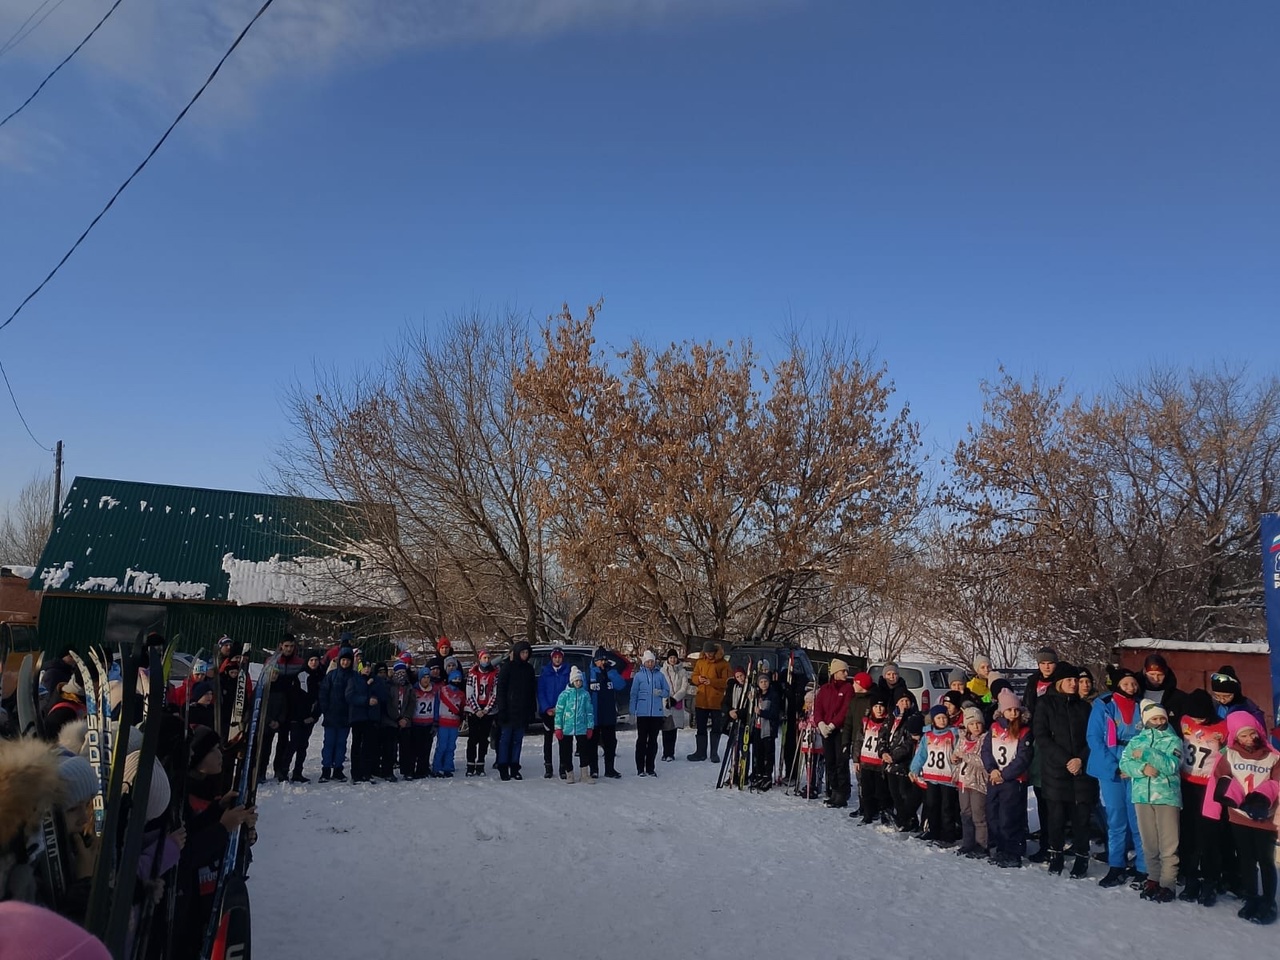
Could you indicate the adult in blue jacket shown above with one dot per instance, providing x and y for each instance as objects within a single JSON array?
[
  {"x": 551, "y": 683},
  {"x": 649, "y": 694},
  {"x": 335, "y": 711},
  {"x": 1113, "y": 721},
  {"x": 604, "y": 683}
]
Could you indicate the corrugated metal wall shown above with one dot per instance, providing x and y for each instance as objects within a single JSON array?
[{"x": 80, "y": 621}]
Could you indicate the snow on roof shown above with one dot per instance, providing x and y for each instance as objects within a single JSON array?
[
  {"x": 18, "y": 570},
  {"x": 307, "y": 581},
  {"x": 1201, "y": 646}
]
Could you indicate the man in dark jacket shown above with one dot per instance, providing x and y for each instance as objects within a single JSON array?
[
  {"x": 604, "y": 683},
  {"x": 517, "y": 698},
  {"x": 1160, "y": 685},
  {"x": 901, "y": 742},
  {"x": 1040, "y": 683},
  {"x": 283, "y": 679},
  {"x": 304, "y": 697},
  {"x": 551, "y": 683},
  {"x": 1060, "y": 730},
  {"x": 830, "y": 711},
  {"x": 335, "y": 708}
]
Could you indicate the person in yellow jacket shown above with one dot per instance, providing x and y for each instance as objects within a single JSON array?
[
  {"x": 978, "y": 686},
  {"x": 710, "y": 678}
]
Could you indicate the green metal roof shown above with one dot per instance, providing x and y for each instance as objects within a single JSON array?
[{"x": 185, "y": 543}]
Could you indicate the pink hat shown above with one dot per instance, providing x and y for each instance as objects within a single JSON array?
[
  {"x": 1008, "y": 700},
  {"x": 28, "y": 932}
]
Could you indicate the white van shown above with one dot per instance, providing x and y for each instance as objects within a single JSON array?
[{"x": 928, "y": 681}]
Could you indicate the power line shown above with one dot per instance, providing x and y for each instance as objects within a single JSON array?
[
  {"x": 22, "y": 26},
  {"x": 13, "y": 41},
  {"x": 147, "y": 159},
  {"x": 37, "y": 90},
  {"x": 19, "y": 409}
]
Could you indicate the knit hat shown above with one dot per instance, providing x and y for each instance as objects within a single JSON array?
[
  {"x": 203, "y": 741},
  {"x": 1063, "y": 671},
  {"x": 999, "y": 686},
  {"x": 201, "y": 667},
  {"x": 1225, "y": 680},
  {"x": 600, "y": 653},
  {"x": 79, "y": 781},
  {"x": 381, "y": 668},
  {"x": 953, "y": 697},
  {"x": 649, "y": 657},
  {"x": 575, "y": 675},
  {"x": 346, "y": 638},
  {"x": 34, "y": 933},
  {"x": 864, "y": 680},
  {"x": 1082, "y": 673},
  {"x": 1008, "y": 700},
  {"x": 1152, "y": 711},
  {"x": 557, "y": 649},
  {"x": 708, "y": 646},
  {"x": 442, "y": 643},
  {"x": 1199, "y": 705},
  {"x": 836, "y": 666},
  {"x": 880, "y": 698},
  {"x": 937, "y": 710},
  {"x": 1046, "y": 655},
  {"x": 346, "y": 653},
  {"x": 980, "y": 661},
  {"x": 973, "y": 715},
  {"x": 201, "y": 689},
  {"x": 671, "y": 652},
  {"x": 889, "y": 666},
  {"x": 452, "y": 663},
  {"x": 159, "y": 795},
  {"x": 399, "y": 667}
]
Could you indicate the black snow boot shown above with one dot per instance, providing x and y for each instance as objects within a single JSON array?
[
  {"x": 1114, "y": 878},
  {"x": 339, "y": 775},
  {"x": 547, "y": 773},
  {"x": 298, "y": 777},
  {"x": 1055, "y": 862},
  {"x": 504, "y": 772},
  {"x": 1080, "y": 869},
  {"x": 326, "y": 775}
]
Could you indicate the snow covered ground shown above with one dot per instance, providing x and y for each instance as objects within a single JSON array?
[{"x": 472, "y": 869}]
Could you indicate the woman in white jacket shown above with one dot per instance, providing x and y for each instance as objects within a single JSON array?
[{"x": 674, "y": 716}]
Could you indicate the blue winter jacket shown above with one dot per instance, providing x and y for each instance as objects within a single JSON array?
[
  {"x": 649, "y": 692},
  {"x": 333, "y": 704},
  {"x": 359, "y": 690},
  {"x": 1107, "y": 735},
  {"x": 381, "y": 689},
  {"x": 574, "y": 713},
  {"x": 604, "y": 687},
  {"x": 551, "y": 683}
]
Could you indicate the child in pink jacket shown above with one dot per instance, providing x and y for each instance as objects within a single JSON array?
[{"x": 1246, "y": 781}]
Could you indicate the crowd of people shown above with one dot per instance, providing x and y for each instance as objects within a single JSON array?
[{"x": 1179, "y": 787}]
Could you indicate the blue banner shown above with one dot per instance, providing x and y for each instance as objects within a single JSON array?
[{"x": 1271, "y": 592}]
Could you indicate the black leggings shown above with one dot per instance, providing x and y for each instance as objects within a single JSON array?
[
  {"x": 478, "y": 732},
  {"x": 1256, "y": 850},
  {"x": 647, "y": 730}
]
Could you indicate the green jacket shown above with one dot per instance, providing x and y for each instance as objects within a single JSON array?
[{"x": 1161, "y": 749}]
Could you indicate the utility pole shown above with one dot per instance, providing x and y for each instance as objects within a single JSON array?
[{"x": 57, "y": 481}]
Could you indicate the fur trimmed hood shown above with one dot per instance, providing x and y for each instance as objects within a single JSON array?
[{"x": 29, "y": 786}]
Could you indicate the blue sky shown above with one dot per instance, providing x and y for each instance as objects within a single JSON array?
[{"x": 1078, "y": 190}]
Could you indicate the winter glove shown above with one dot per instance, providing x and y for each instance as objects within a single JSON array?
[
  {"x": 1256, "y": 806},
  {"x": 559, "y": 734},
  {"x": 1220, "y": 792},
  {"x": 590, "y": 733},
  {"x": 825, "y": 728}
]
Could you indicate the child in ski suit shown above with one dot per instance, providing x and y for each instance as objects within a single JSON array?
[
  {"x": 933, "y": 768},
  {"x": 1200, "y": 840},
  {"x": 869, "y": 762},
  {"x": 574, "y": 724},
  {"x": 453, "y": 699},
  {"x": 1246, "y": 781},
  {"x": 764, "y": 733},
  {"x": 422, "y": 730},
  {"x": 1006, "y": 755},
  {"x": 1113, "y": 721},
  {"x": 971, "y": 778},
  {"x": 1151, "y": 761}
]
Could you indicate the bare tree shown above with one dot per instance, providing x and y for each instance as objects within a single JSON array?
[
  {"x": 721, "y": 496},
  {"x": 27, "y": 522},
  {"x": 438, "y": 436}
]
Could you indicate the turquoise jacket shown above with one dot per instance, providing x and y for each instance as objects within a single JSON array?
[
  {"x": 574, "y": 713},
  {"x": 1161, "y": 749}
]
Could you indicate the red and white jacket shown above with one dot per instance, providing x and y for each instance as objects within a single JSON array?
[
  {"x": 1201, "y": 747},
  {"x": 452, "y": 701},
  {"x": 482, "y": 686},
  {"x": 870, "y": 747}
]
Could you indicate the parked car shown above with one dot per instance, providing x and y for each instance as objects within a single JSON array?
[
  {"x": 579, "y": 655},
  {"x": 928, "y": 681}
]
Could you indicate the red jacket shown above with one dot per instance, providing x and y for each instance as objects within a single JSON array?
[{"x": 831, "y": 705}]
